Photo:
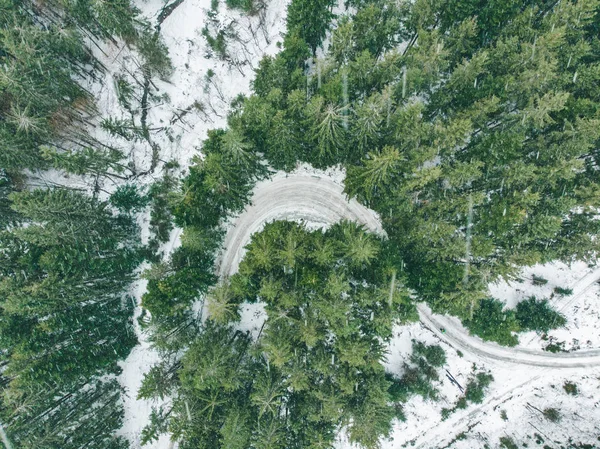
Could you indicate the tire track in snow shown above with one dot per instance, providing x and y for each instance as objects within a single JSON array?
[
  {"x": 320, "y": 201},
  {"x": 457, "y": 337}
]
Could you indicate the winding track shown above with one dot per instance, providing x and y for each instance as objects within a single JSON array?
[{"x": 320, "y": 201}]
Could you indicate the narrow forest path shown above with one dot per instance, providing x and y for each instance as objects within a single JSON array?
[{"x": 320, "y": 202}]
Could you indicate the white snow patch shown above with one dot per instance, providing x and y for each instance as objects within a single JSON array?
[
  {"x": 581, "y": 308},
  {"x": 253, "y": 317},
  {"x": 137, "y": 364},
  {"x": 580, "y": 416}
]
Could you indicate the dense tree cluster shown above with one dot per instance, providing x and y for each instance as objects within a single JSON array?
[
  {"x": 536, "y": 315},
  {"x": 218, "y": 185},
  {"x": 221, "y": 181},
  {"x": 66, "y": 258},
  {"x": 65, "y": 319},
  {"x": 491, "y": 321},
  {"x": 419, "y": 374},
  {"x": 331, "y": 302},
  {"x": 474, "y": 136}
]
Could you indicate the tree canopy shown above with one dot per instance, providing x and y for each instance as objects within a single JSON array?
[
  {"x": 67, "y": 259},
  {"x": 474, "y": 135},
  {"x": 316, "y": 364},
  {"x": 471, "y": 129}
]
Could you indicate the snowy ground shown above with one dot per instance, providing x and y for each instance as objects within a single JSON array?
[
  {"x": 582, "y": 308},
  {"x": 513, "y": 388},
  {"x": 188, "y": 49},
  {"x": 579, "y": 424}
]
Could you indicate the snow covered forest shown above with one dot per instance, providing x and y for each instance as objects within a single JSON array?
[{"x": 299, "y": 224}]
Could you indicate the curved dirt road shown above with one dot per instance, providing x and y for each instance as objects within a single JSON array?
[{"x": 320, "y": 201}]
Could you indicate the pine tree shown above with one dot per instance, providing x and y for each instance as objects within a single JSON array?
[
  {"x": 311, "y": 19},
  {"x": 65, "y": 319}
]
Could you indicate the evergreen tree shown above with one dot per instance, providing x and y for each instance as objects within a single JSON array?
[
  {"x": 65, "y": 319},
  {"x": 311, "y": 19},
  {"x": 318, "y": 361},
  {"x": 534, "y": 314},
  {"x": 490, "y": 322}
]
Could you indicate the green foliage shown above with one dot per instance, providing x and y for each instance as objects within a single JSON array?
[
  {"x": 65, "y": 272},
  {"x": 124, "y": 128},
  {"x": 211, "y": 363},
  {"x": 173, "y": 286},
  {"x": 159, "y": 381},
  {"x": 419, "y": 374},
  {"x": 571, "y": 388},
  {"x": 445, "y": 413},
  {"x": 125, "y": 92},
  {"x": 434, "y": 354},
  {"x": 563, "y": 291},
  {"x": 474, "y": 393},
  {"x": 172, "y": 289},
  {"x": 66, "y": 259},
  {"x": 162, "y": 199},
  {"x": 552, "y": 414},
  {"x": 7, "y": 214},
  {"x": 87, "y": 161},
  {"x": 555, "y": 347},
  {"x": 534, "y": 314},
  {"x": 154, "y": 53},
  {"x": 128, "y": 199},
  {"x": 476, "y": 387},
  {"x": 508, "y": 443},
  {"x": 538, "y": 280},
  {"x": 157, "y": 426},
  {"x": 311, "y": 19},
  {"x": 41, "y": 101},
  {"x": 318, "y": 360},
  {"x": 248, "y": 6},
  {"x": 222, "y": 303},
  {"x": 217, "y": 42},
  {"x": 491, "y": 323},
  {"x": 461, "y": 98},
  {"x": 220, "y": 183}
]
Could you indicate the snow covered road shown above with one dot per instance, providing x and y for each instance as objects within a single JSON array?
[
  {"x": 319, "y": 201},
  {"x": 457, "y": 337},
  {"x": 316, "y": 200}
]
